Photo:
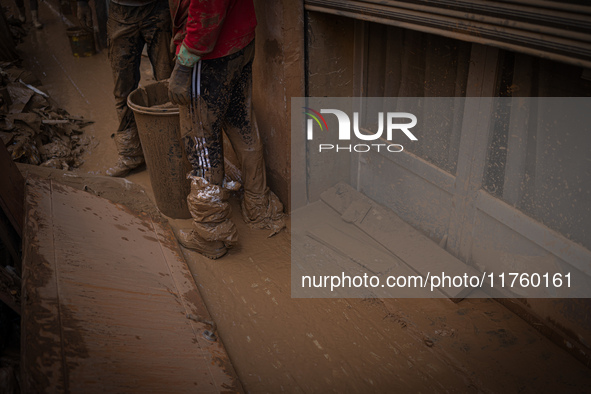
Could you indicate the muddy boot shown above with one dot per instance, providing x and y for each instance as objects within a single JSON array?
[
  {"x": 210, "y": 249},
  {"x": 263, "y": 211},
  {"x": 130, "y": 151},
  {"x": 124, "y": 165},
  {"x": 21, "y": 15},
  {"x": 209, "y": 207},
  {"x": 35, "y": 20}
]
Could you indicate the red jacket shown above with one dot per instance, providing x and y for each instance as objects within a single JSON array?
[{"x": 213, "y": 28}]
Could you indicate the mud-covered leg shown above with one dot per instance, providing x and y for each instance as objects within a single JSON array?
[
  {"x": 125, "y": 51},
  {"x": 261, "y": 208},
  {"x": 35, "y": 14},
  {"x": 20, "y": 4},
  {"x": 212, "y": 230},
  {"x": 158, "y": 33}
]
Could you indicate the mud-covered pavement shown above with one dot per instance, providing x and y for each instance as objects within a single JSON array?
[{"x": 281, "y": 344}]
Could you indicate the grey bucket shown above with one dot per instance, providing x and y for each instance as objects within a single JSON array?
[{"x": 159, "y": 131}]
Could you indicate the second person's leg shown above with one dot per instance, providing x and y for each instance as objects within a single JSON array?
[
  {"x": 125, "y": 50},
  {"x": 261, "y": 209}
]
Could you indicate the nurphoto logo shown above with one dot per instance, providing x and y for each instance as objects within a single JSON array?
[{"x": 391, "y": 120}]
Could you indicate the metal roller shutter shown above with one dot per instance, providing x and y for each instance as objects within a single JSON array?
[{"x": 555, "y": 30}]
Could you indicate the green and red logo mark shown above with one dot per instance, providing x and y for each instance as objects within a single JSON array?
[
  {"x": 388, "y": 123},
  {"x": 317, "y": 117}
]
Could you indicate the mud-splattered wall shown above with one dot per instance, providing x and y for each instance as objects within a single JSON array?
[{"x": 278, "y": 75}]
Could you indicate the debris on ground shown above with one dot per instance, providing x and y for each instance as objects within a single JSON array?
[{"x": 32, "y": 127}]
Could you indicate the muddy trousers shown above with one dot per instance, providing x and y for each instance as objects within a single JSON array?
[
  {"x": 223, "y": 103},
  {"x": 128, "y": 30},
  {"x": 33, "y": 4}
]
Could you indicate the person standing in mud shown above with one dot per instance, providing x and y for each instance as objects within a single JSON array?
[
  {"x": 131, "y": 25},
  {"x": 212, "y": 84},
  {"x": 34, "y": 7}
]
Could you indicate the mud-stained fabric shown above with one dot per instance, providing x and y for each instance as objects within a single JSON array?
[
  {"x": 128, "y": 30},
  {"x": 33, "y": 4},
  {"x": 127, "y": 142},
  {"x": 263, "y": 211},
  {"x": 209, "y": 207},
  {"x": 225, "y": 104}
]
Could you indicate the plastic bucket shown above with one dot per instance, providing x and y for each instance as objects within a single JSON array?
[
  {"x": 81, "y": 41},
  {"x": 159, "y": 131}
]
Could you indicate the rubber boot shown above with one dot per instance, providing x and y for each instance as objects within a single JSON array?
[
  {"x": 21, "y": 15},
  {"x": 124, "y": 165},
  {"x": 35, "y": 20}
]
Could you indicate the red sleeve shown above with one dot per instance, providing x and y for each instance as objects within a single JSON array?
[{"x": 204, "y": 23}]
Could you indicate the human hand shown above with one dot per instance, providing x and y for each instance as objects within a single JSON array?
[{"x": 179, "y": 84}]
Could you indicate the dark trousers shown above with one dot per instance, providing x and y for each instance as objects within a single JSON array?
[
  {"x": 32, "y": 4},
  {"x": 225, "y": 105},
  {"x": 128, "y": 30}
]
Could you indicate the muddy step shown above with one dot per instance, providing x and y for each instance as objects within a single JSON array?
[{"x": 109, "y": 304}]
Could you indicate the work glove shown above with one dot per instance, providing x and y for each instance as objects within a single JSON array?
[
  {"x": 179, "y": 84},
  {"x": 84, "y": 15}
]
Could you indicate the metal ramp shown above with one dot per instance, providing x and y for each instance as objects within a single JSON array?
[{"x": 106, "y": 295}]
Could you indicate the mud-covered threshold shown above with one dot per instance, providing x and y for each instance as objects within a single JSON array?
[{"x": 109, "y": 304}]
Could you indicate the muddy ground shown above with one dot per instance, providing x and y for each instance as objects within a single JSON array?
[{"x": 281, "y": 344}]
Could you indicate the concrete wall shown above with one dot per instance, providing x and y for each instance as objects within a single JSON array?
[{"x": 278, "y": 75}]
